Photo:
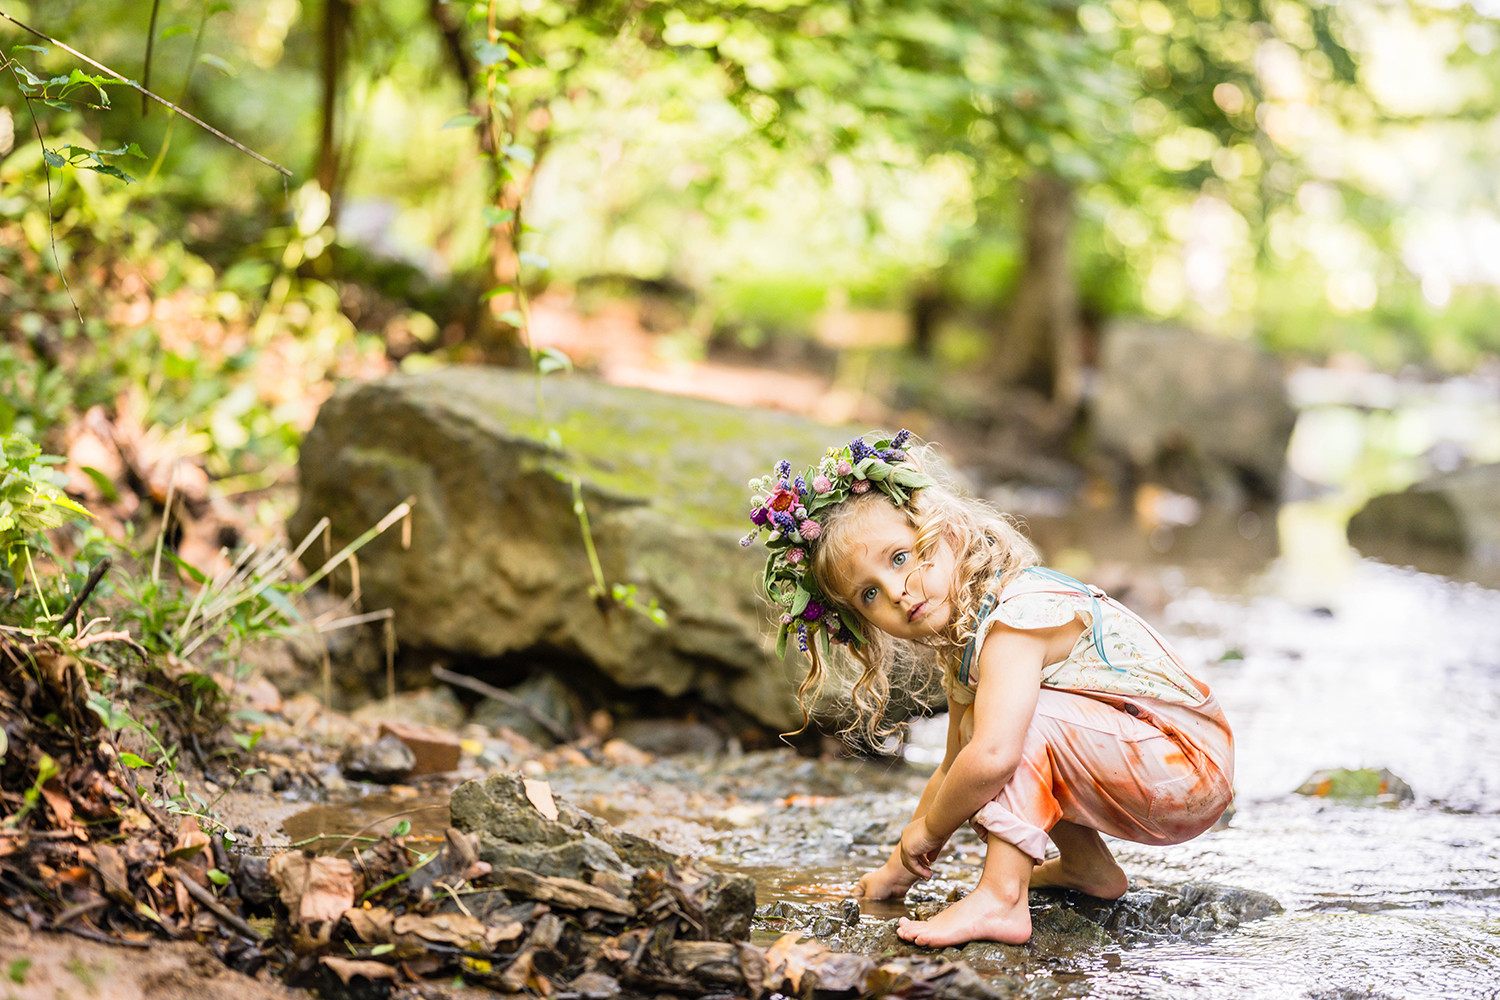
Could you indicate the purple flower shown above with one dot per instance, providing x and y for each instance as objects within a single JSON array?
[
  {"x": 810, "y": 529},
  {"x": 800, "y": 485},
  {"x": 802, "y": 636},
  {"x": 783, "y": 469},
  {"x": 760, "y": 517},
  {"x": 860, "y": 450},
  {"x": 749, "y": 539},
  {"x": 786, "y": 619},
  {"x": 822, "y": 484},
  {"x": 795, "y": 556},
  {"x": 813, "y": 611},
  {"x": 902, "y": 436},
  {"x": 858, "y": 486},
  {"x": 784, "y": 521}
]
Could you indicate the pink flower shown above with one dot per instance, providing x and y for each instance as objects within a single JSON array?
[
  {"x": 822, "y": 484},
  {"x": 843, "y": 468},
  {"x": 810, "y": 529},
  {"x": 860, "y": 486},
  {"x": 795, "y": 556},
  {"x": 782, "y": 499}
]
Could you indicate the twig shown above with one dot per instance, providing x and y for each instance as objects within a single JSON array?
[
  {"x": 500, "y": 694},
  {"x": 218, "y": 909},
  {"x": 84, "y": 931},
  {"x": 95, "y": 575},
  {"x": 155, "y": 97}
]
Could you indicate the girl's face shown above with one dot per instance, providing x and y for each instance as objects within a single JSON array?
[{"x": 889, "y": 586}]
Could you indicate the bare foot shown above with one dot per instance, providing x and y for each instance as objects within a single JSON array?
[
  {"x": 1106, "y": 882},
  {"x": 982, "y": 915},
  {"x": 890, "y": 881}
]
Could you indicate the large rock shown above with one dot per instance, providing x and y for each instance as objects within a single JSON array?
[
  {"x": 1207, "y": 415},
  {"x": 1454, "y": 513},
  {"x": 497, "y": 562}
]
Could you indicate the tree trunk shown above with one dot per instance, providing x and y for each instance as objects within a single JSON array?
[
  {"x": 1040, "y": 346},
  {"x": 338, "y": 17}
]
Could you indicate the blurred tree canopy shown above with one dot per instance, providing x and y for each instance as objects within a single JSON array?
[{"x": 1314, "y": 175}]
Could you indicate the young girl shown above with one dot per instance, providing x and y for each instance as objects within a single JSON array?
[{"x": 1069, "y": 717}]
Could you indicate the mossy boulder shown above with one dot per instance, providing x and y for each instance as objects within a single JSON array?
[{"x": 497, "y": 562}]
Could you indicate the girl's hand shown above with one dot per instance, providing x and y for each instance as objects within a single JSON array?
[
  {"x": 919, "y": 848},
  {"x": 889, "y": 881}
]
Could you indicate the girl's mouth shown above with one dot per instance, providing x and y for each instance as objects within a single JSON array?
[{"x": 916, "y": 612}]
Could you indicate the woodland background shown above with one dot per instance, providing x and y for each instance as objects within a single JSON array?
[{"x": 1007, "y": 176}]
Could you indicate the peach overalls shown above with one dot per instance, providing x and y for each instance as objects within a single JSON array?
[{"x": 1124, "y": 740}]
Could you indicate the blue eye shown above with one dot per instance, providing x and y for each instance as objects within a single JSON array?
[
  {"x": 868, "y": 595},
  {"x": 899, "y": 559}
]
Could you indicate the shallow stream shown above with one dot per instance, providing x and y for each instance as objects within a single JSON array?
[{"x": 1321, "y": 659}]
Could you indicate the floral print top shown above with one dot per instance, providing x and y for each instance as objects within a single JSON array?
[{"x": 1117, "y": 653}]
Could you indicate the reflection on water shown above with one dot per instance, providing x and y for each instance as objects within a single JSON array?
[{"x": 346, "y": 827}]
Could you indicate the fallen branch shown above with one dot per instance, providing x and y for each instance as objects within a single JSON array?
[
  {"x": 207, "y": 900},
  {"x": 500, "y": 694}
]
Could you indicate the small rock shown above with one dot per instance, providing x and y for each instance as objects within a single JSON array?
[
  {"x": 544, "y": 694},
  {"x": 668, "y": 737},
  {"x": 387, "y": 761},
  {"x": 434, "y": 750},
  {"x": 620, "y": 753},
  {"x": 1379, "y": 787}
]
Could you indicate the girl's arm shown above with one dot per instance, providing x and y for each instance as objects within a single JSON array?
[
  {"x": 1010, "y": 675},
  {"x": 891, "y": 880}
]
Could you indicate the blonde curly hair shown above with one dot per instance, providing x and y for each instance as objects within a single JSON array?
[{"x": 988, "y": 547}]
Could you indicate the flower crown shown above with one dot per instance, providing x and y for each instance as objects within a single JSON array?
[{"x": 788, "y": 508}]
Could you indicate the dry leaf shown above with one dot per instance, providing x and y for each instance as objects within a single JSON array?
[
  {"x": 347, "y": 968},
  {"x": 62, "y": 808},
  {"x": 540, "y": 794},
  {"x": 314, "y": 888},
  {"x": 788, "y": 959}
]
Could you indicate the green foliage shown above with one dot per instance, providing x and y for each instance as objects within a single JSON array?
[{"x": 31, "y": 503}]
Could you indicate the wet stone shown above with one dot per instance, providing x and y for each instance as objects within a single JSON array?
[
  {"x": 386, "y": 761},
  {"x": 1064, "y": 924},
  {"x": 513, "y": 834}
]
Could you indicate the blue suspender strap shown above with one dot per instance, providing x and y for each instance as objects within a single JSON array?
[
  {"x": 987, "y": 605},
  {"x": 1097, "y": 609}
]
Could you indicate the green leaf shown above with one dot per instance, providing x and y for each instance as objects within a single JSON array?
[
  {"x": 109, "y": 171},
  {"x": 800, "y": 601},
  {"x": 550, "y": 359},
  {"x": 464, "y": 120},
  {"x": 491, "y": 54},
  {"x": 494, "y": 216},
  {"x": 513, "y": 317},
  {"x": 401, "y": 829},
  {"x": 520, "y": 154},
  {"x": 217, "y": 63},
  {"x": 852, "y": 624},
  {"x": 217, "y": 877},
  {"x": 781, "y": 641},
  {"x": 131, "y": 760},
  {"x": 175, "y": 30}
]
